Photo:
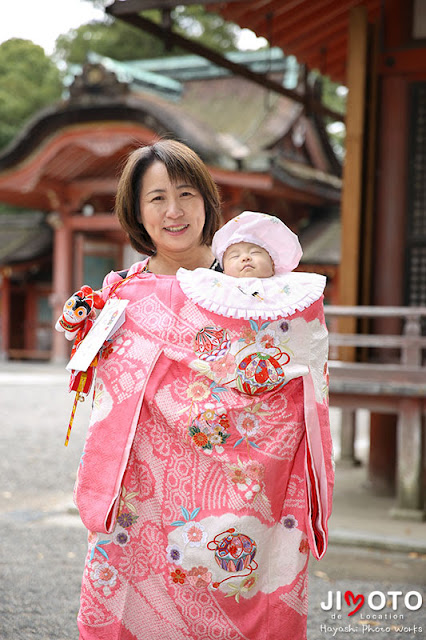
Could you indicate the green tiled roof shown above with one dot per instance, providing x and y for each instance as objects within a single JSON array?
[{"x": 165, "y": 75}]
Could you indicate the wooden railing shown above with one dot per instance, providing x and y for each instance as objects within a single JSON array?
[{"x": 385, "y": 384}]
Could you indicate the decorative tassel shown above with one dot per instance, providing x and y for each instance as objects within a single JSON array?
[
  {"x": 81, "y": 382},
  {"x": 74, "y": 407}
]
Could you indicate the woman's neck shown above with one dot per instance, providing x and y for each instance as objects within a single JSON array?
[{"x": 168, "y": 264}]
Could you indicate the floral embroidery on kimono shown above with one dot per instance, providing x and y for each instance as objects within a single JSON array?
[{"x": 207, "y": 472}]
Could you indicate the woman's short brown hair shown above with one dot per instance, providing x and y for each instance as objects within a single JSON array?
[{"x": 180, "y": 162}]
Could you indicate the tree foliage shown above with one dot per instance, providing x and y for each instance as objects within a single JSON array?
[
  {"x": 29, "y": 81},
  {"x": 121, "y": 41}
]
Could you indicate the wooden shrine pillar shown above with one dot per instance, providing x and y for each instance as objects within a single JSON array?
[
  {"x": 388, "y": 284},
  {"x": 352, "y": 198},
  {"x": 352, "y": 193},
  {"x": 62, "y": 280},
  {"x": 5, "y": 313}
]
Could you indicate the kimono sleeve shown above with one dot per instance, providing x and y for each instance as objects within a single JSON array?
[{"x": 319, "y": 470}]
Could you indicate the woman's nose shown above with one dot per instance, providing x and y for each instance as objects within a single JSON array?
[{"x": 174, "y": 209}]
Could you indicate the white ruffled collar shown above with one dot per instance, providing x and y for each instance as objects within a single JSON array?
[{"x": 275, "y": 297}]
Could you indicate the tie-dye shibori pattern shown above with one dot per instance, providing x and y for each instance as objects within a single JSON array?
[{"x": 206, "y": 479}]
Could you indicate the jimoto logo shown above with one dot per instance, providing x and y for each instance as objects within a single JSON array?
[{"x": 375, "y": 600}]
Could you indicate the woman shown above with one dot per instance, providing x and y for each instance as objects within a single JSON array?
[
  {"x": 202, "y": 500},
  {"x": 169, "y": 206}
]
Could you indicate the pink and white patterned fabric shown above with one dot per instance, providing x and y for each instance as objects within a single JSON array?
[{"x": 206, "y": 477}]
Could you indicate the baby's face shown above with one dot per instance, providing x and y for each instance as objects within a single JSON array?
[{"x": 247, "y": 260}]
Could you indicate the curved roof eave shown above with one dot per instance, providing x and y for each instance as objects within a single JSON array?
[{"x": 163, "y": 119}]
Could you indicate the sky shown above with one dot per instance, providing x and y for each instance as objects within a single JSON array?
[{"x": 42, "y": 21}]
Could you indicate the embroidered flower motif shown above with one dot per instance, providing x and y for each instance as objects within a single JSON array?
[
  {"x": 199, "y": 577},
  {"x": 178, "y": 576},
  {"x": 104, "y": 576},
  {"x": 209, "y": 414},
  {"x": 247, "y": 476},
  {"x": 224, "y": 422},
  {"x": 239, "y": 589},
  {"x": 223, "y": 366},
  {"x": 284, "y": 326},
  {"x": 102, "y": 402},
  {"x": 247, "y": 335},
  {"x": 247, "y": 424},
  {"x": 238, "y": 476},
  {"x": 267, "y": 342},
  {"x": 194, "y": 534},
  {"x": 127, "y": 519},
  {"x": 198, "y": 390},
  {"x": 209, "y": 430},
  {"x": 120, "y": 537},
  {"x": 200, "y": 439},
  {"x": 289, "y": 522},
  {"x": 174, "y": 554},
  {"x": 255, "y": 470}
]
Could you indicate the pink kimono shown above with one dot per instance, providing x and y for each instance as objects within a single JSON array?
[{"x": 206, "y": 477}]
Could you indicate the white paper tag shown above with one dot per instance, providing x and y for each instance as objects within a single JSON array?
[{"x": 109, "y": 320}]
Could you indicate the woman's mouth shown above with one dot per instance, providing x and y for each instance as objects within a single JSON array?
[{"x": 177, "y": 229}]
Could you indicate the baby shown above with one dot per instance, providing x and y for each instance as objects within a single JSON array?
[
  {"x": 256, "y": 245},
  {"x": 258, "y": 254}
]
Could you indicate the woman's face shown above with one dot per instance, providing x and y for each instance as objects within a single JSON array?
[{"x": 172, "y": 213}]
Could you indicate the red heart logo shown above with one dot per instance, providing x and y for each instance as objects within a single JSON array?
[{"x": 359, "y": 598}]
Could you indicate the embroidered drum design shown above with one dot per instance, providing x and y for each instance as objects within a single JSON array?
[
  {"x": 259, "y": 372},
  {"x": 234, "y": 552},
  {"x": 211, "y": 343}
]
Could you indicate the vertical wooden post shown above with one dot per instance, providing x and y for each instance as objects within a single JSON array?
[
  {"x": 347, "y": 437},
  {"x": 410, "y": 440},
  {"x": 352, "y": 195},
  {"x": 410, "y": 461},
  {"x": 62, "y": 281},
  {"x": 367, "y": 240},
  {"x": 5, "y": 315},
  {"x": 388, "y": 277}
]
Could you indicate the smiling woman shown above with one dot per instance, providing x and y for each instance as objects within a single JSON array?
[{"x": 169, "y": 206}]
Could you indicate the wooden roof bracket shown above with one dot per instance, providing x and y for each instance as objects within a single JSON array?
[{"x": 171, "y": 38}]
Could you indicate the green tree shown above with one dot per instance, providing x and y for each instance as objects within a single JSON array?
[
  {"x": 111, "y": 38},
  {"x": 29, "y": 81},
  {"x": 116, "y": 39}
]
